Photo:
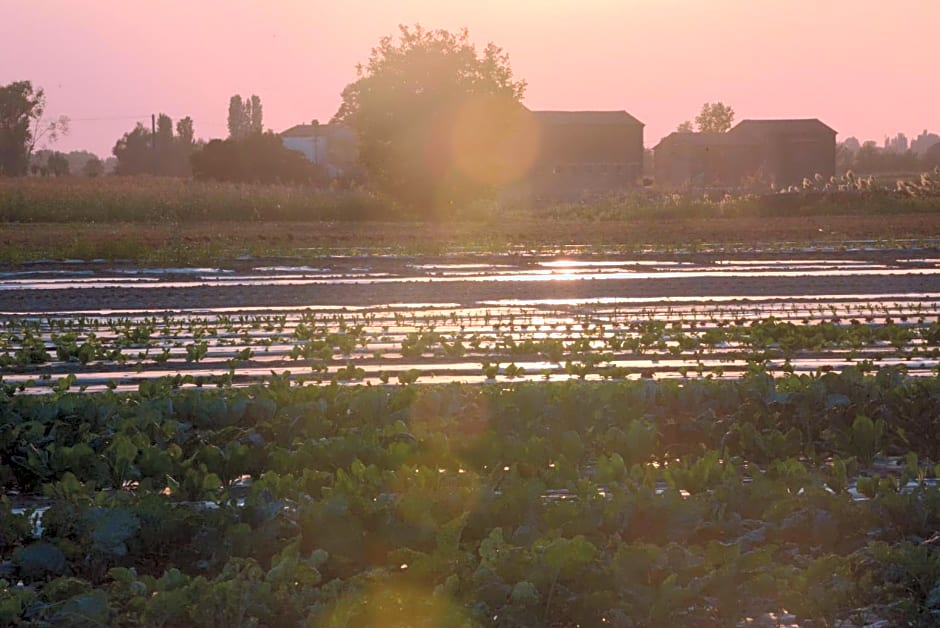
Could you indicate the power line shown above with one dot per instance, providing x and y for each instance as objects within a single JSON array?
[{"x": 110, "y": 118}]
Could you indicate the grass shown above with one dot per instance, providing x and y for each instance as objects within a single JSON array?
[
  {"x": 155, "y": 200},
  {"x": 203, "y": 242},
  {"x": 183, "y": 221},
  {"x": 160, "y": 199}
]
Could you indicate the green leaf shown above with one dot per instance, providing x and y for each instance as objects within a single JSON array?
[
  {"x": 448, "y": 536},
  {"x": 40, "y": 559},
  {"x": 318, "y": 558},
  {"x": 837, "y": 401},
  {"x": 123, "y": 575},
  {"x": 524, "y": 594},
  {"x": 91, "y": 607},
  {"x": 933, "y": 600},
  {"x": 122, "y": 450},
  {"x": 567, "y": 556},
  {"x": 111, "y": 527},
  {"x": 866, "y": 437},
  {"x": 492, "y": 545}
]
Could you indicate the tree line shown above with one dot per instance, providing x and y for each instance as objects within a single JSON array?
[
  {"x": 157, "y": 151},
  {"x": 896, "y": 155},
  {"x": 164, "y": 148},
  {"x": 438, "y": 122}
]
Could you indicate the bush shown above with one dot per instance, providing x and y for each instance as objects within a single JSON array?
[{"x": 256, "y": 158}]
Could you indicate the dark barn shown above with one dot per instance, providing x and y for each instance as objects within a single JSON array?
[
  {"x": 755, "y": 153},
  {"x": 587, "y": 152}
]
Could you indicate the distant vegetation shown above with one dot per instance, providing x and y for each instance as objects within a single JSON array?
[
  {"x": 140, "y": 152},
  {"x": 896, "y": 155},
  {"x": 151, "y": 199},
  {"x": 23, "y": 126},
  {"x": 77, "y": 162},
  {"x": 158, "y": 199},
  {"x": 441, "y": 128},
  {"x": 715, "y": 117},
  {"x": 255, "y": 158},
  {"x": 245, "y": 116}
]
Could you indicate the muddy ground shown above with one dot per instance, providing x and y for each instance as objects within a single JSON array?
[{"x": 414, "y": 289}]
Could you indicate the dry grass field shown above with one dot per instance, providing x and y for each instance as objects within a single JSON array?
[{"x": 176, "y": 220}]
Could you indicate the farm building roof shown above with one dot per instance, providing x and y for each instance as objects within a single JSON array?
[
  {"x": 783, "y": 126},
  {"x": 310, "y": 130},
  {"x": 586, "y": 117},
  {"x": 702, "y": 139}
]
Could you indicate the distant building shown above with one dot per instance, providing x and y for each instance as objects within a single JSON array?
[
  {"x": 579, "y": 152},
  {"x": 587, "y": 152},
  {"x": 333, "y": 146},
  {"x": 897, "y": 144},
  {"x": 755, "y": 152},
  {"x": 922, "y": 143},
  {"x": 684, "y": 159}
]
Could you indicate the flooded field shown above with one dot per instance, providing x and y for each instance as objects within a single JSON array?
[
  {"x": 728, "y": 432},
  {"x": 526, "y": 316}
]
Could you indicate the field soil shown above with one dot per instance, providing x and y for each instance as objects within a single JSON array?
[
  {"x": 243, "y": 245},
  {"x": 215, "y": 240},
  {"x": 464, "y": 294},
  {"x": 381, "y": 280}
]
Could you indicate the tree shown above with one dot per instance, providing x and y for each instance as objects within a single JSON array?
[
  {"x": 685, "y": 127},
  {"x": 845, "y": 158},
  {"x": 140, "y": 152},
  {"x": 183, "y": 147},
  {"x": 715, "y": 118},
  {"x": 871, "y": 159},
  {"x": 237, "y": 125},
  {"x": 18, "y": 106},
  {"x": 185, "y": 131},
  {"x": 164, "y": 129},
  {"x": 924, "y": 141},
  {"x": 57, "y": 165},
  {"x": 851, "y": 145},
  {"x": 134, "y": 152},
  {"x": 244, "y": 116},
  {"x": 258, "y": 157},
  {"x": 932, "y": 156},
  {"x": 39, "y": 162},
  {"x": 437, "y": 121},
  {"x": 23, "y": 125},
  {"x": 165, "y": 145},
  {"x": 867, "y": 158},
  {"x": 255, "y": 115},
  {"x": 93, "y": 168}
]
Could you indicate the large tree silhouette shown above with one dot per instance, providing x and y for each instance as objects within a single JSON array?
[
  {"x": 23, "y": 125},
  {"x": 437, "y": 120}
]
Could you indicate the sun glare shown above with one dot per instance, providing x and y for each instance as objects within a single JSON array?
[{"x": 495, "y": 142}]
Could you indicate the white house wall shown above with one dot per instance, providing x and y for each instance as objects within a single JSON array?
[{"x": 315, "y": 149}]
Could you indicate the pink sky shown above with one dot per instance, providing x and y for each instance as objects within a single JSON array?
[{"x": 865, "y": 67}]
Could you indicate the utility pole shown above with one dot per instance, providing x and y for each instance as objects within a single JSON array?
[
  {"x": 316, "y": 142},
  {"x": 153, "y": 142}
]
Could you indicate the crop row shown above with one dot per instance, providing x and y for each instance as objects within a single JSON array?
[
  {"x": 630, "y": 503},
  {"x": 350, "y": 347}
]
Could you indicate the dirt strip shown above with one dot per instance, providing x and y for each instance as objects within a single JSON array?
[
  {"x": 144, "y": 240},
  {"x": 464, "y": 293}
]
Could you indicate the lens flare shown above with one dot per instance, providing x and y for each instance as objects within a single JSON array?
[
  {"x": 394, "y": 604},
  {"x": 494, "y": 141}
]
